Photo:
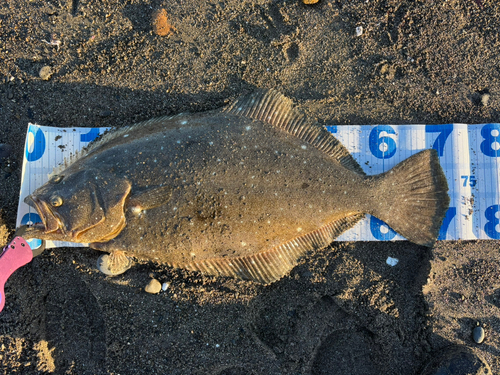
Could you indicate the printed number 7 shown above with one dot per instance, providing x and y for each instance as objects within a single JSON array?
[{"x": 472, "y": 180}]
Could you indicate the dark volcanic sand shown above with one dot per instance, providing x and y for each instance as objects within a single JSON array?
[{"x": 342, "y": 310}]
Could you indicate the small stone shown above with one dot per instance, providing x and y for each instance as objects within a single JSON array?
[
  {"x": 45, "y": 73},
  {"x": 161, "y": 24},
  {"x": 359, "y": 30},
  {"x": 165, "y": 286},
  {"x": 485, "y": 98},
  {"x": 392, "y": 261},
  {"x": 478, "y": 334},
  {"x": 310, "y": 2},
  {"x": 153, "y": 287}
]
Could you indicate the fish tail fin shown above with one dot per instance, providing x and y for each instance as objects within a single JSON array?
[{"x": 417, "y": 198}]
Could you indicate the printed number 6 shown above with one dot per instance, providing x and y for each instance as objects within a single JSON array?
[
  {"x": 380, "y": 230},
  {"x": 382, "y": 146}
]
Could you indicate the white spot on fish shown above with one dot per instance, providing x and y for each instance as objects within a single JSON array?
[
  {"x": 125, "y": 136},
  {"x": 184, "y": 122},
  {"x": 243, "y": 243}
]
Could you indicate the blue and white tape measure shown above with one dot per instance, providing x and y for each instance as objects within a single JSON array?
[{"x": 469, "y": 155}]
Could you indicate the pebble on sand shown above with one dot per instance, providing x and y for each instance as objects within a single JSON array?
[
  {"x": 478, "y": 334},
  {"x": 153, "y": 287},
  {"x": 161, "y": 25},
  {"x": 45, "y": 73},
  {"x": 485, "y": 98},
  {"x": 359, "y": 30},
  {"x": 310, "y": 2}
]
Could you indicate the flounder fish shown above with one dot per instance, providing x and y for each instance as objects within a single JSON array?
[{"x": 244, "y": 192}]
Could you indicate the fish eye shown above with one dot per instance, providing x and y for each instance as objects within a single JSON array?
[
  {"x": 56, "y": 201},
  {"x": 56, "y": 179}
]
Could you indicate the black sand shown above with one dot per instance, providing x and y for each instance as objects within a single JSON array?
[{"x": 342, "y": 310}]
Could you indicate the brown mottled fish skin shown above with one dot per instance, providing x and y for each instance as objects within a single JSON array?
[{"x": 241, "y": 192}]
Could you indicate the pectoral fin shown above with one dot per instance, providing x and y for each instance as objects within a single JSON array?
[
  {"x": 150, "y": 198},
  {"x": 114, "y": 263}
]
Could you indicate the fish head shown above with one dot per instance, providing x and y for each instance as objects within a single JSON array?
[{"x": 81, "y": 206}]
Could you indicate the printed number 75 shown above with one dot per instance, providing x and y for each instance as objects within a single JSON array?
[{"x": 472, "y": 180}]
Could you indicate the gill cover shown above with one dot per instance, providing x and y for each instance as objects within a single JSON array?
[{"x": 88, "y": 205}]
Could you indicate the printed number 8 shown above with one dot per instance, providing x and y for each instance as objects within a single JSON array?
[
  {"x": 491, "y": 226},
  {"x": 491, "y": 144},
  {"x": 382, "y": 147}
]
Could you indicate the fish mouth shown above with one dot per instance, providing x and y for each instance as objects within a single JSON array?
[{"x": 51, "y": 222}]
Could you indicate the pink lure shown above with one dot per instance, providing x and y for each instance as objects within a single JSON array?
[{"x": 13, "y": 256}]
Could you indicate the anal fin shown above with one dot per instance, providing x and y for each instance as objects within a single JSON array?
[{"x": 270, "y": 265}]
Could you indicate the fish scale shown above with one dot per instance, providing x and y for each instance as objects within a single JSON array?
[{"x": 241, "y": 192}]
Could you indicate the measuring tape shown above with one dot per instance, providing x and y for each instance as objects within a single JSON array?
[{"x": 469, "y": 155}]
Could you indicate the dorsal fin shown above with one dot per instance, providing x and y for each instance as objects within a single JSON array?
[
  {"x": 277, "y": 110},
  {"x": 271, "y": 265}
]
